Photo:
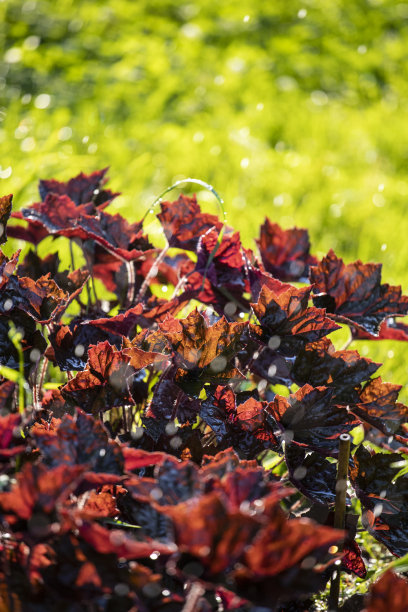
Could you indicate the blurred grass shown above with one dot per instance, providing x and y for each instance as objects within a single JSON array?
[{"x": 295, "y": 110}]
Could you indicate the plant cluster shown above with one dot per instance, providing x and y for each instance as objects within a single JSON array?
[{"x": 186, "y": 459}]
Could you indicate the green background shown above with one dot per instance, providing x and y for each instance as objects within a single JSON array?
[{"x": 295, "y": 110}]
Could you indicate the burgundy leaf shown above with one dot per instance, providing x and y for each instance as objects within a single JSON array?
[
  {"x": 319, "y": 364},
  {"x": 285, "y": 253},
  {"x": 352, "y": 561},
  {"x": 107, "y": 381},
  {"x": 378, "y": 406},
  {"x": 354, "y": 293},
  {"x": 184, "y": 223},
  {"x": 80, "y": 189},
  {"x": 385, "y": 499},
  {"x": 390, "y": 592},
  {"x": 170, "y": 402},
  {"x": 311, "y": 474},
  {"x": 78, "y": 440},
  {"x": 219, "y": 276},
  {"x": 242, "y": 425},
  {"x": 311, "y": 419},
  {"x": 286, "y": 319}
]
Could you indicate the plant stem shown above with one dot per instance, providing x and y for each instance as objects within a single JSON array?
[
  {"x": 194, "y": 594},
  {"x": 151, "y": 273},
  {"x": 340, "y": 511},
  {"x": 130, "y": 267}
]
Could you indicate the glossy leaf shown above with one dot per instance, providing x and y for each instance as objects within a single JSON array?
[
  {"x": 311, "y": 419},
  {"x": 355, "y": 293},
  {"x": 286, "y": 319},
  {"x": 385, "y": 500},
  {"x": 319, "y": 364},
  {"x": 285, "y": 253},
  {"x": 390, "y": 592},
  {"x": 107, "y": 381},
  {"x": 81, "y": 189},
  {"x": 183, "y": 222}
]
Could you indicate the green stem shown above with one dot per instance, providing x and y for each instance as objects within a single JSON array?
[{"x": 340, "y": 512}]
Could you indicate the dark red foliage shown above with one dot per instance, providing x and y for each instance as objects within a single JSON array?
[
  {"x": 383, "y": 498},
  {"x": 319, "y": 364},
  {"x": 285, "y": 253},
  {"x": 378, "y": 406},
  {"x": 202, "y": 352},
  {"x": 162, "y": 456},
  {"x": 81, "y": 189},
  {"x": 311, "y": 418},
  {"x": 184, "y": 223},
  {"x": 286, "y": 321},
  {"x": 354, "y": 293},
  {"x": 390, "y": 592},
  {"x": 219, "y": 275},
  {"x": 243, "y": 425}
]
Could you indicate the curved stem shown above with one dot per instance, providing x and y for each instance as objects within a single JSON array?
[
  {"x": 151, "y": 273},
  {"x": 189, "y": 180}
]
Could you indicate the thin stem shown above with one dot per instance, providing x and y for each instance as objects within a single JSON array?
[
  {"x": 194, "y": 594},
  {"x": 181, "y": 182},
  {"x": 130, "y": 267},
  {"x": 348, "y": 342},
  {"x": 71, "y": 250},
  {"x": 340, "y": 511},
  {"x": 151, "y": 273},
  {"x": 124, "y": 419}
]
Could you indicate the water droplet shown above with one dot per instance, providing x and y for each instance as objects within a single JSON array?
[
  {"x": 246, "y": 18},
  {"x": 272, "y": 370},
  {"x": 79, "y": 350},
  {"x": 274, "y": 342},
  {"x": 230, "y": 309},
  {"x": 300, "y": 472},
  {"x": 175, "y": 442},
  {"x": 155, "y": 555},
  {"x": 8, "y": 304},
  {"x": 302, "y": 13},
  {"x": 35, "y": 355},
  {"x": 218, "y": 364},
  {"x": 171, "y": 428}
]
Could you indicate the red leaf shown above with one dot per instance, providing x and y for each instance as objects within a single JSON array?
[
  {"x": 354, "y": 293},
  {"x": 104, "y": 383},
  {"x": 310, "y": 418},
  {"x": 202, "y": 353},
  {"x": 205, "y": 529},
  {"x": 81, "y": 189},
  {"x": 285, "y": 253},
  {"x": 119, "y": 543},
  {"x": 136, "y": 458},
  {"x": 183, "y": 222},
  {"x": 378, "y": 406},
  {"x": 390, "y": 592},
  {"x": 286, "y": 318},
  {"x": 38, "y": 487}
]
